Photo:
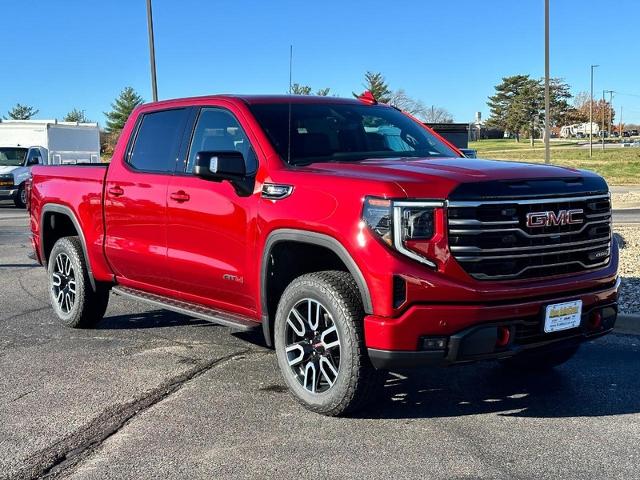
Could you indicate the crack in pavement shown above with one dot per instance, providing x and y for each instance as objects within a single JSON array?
[{"x": 58, "y": 458}]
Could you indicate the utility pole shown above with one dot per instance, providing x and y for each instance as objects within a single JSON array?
[
  {"x": 547, "y": 100},
  {"x": 611, "y": 92},
  {"x": 152, "y": 53},
  {"x": 620, "y": 127},
  {"x": 602, "y": 108},
  {"x": 591, "y": 114},
  {"x": 610, "y": 111}
]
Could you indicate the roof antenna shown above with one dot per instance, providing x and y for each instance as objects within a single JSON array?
[{"x": 290, "y": 86}]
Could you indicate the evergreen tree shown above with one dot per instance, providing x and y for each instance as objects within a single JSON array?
[
  {"x": 516, "y": 104},
  {"x": 375, "y": 83},
  {"x": 121, "y": 109},
  {"x": 22, "y": 112},
  {"x": 297, "y": 89},
  {"x": 76, "y": 115}
]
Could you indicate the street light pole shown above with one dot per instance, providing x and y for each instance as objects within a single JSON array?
[
  {"x": 591, "y": 114},
  {"x": 152, "y": 52},
  {"x": 547, "y": 101}
]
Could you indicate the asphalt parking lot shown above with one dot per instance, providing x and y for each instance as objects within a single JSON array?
[{"x": 153, "y": 394}]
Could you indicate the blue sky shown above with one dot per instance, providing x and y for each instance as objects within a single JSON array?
[{"x": 57, "y": 55}]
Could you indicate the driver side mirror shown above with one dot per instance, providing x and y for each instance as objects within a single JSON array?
[
  {"x": 34, "y": 161},
  {"x": 218, "y": 166},
  {"x": 227, "y": 165}
]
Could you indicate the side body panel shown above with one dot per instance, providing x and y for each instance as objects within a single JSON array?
[{"x": 212, "y": 235}]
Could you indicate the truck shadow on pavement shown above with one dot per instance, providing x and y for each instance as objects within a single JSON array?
[
  {"x": 600, "y": 380},
  {"x": 149, "y": 319}
]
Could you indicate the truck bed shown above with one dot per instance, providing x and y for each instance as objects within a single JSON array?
[{"x": 77, "y": 189}]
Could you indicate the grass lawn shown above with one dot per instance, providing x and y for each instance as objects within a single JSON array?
[{"x": 618, "y": 166}]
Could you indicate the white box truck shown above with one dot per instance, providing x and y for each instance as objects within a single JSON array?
[{"x": 24, "y": 143}]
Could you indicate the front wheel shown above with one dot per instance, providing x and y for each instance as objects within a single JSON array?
[
  {"x": 319, "y": 342},
  {"x": 72, "y": 297},
  {"x": 20, "y": 199}
]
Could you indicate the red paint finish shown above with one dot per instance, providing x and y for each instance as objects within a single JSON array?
[{"x": 196, "y": 240}]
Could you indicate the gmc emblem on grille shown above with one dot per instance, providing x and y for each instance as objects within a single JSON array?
[{"x": 550, "y": 218}]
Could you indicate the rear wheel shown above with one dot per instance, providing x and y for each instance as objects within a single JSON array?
[
  {"x": 72, "y": 297},
  {"x": 20, "y": 199},
  {"x": 540, "y": 361},
  {"x": 319, "y": 342}
]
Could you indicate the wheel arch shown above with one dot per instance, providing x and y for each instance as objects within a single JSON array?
[
  {"x": 49, "y": 216},
  {"x": 312, "y": 239}
]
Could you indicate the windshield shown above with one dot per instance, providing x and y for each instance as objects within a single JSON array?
[
  {"x": 345, "y": 132},
  {"x": 12, "y": 157}
]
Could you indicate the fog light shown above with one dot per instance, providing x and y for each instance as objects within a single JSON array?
[
  {"x": 504, "y": 335},
  {"x": 434, "y": 343},
  {"x": 595, "y": 320}
]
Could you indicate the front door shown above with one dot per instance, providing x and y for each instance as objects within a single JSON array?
[
  {"x": 136, "y": 199},
  {"x": 210, "y": 228}
]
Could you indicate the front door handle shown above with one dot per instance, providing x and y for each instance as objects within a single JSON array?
[
  {"x": 180, "y": 196},
  {"x": 116, "y": 191}
]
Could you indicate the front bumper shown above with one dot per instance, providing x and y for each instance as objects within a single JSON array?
[
  {"x": 8, "y": 192},
  {"x": 470, "y": 332}
]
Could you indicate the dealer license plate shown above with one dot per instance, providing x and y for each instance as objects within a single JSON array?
[{"x": 562, "y": 316}]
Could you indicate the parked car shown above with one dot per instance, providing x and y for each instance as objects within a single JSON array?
[
  {"x": 25, "y": 143},
  {"x": 355, "y": 237}
]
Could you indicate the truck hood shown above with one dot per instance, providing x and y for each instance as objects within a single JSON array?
[
  {"x": 7, "y": 169},
  {"x": 437, "y": 177}
]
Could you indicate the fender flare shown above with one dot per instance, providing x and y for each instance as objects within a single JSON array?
[
  {"x": 64, "y": 210},
  {"x": 313, "y": 238}
]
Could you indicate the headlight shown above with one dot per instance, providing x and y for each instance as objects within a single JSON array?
[
  {"x": 398, "y": 222},
  {"x": 6, "y": 179}
]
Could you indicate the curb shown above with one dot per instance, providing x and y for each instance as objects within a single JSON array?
[{"x": 628, "y": 323}]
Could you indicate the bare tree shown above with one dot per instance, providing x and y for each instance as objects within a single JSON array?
[
  {"x": 437, "y": 115},
  {"x": 418, "y": 108}
]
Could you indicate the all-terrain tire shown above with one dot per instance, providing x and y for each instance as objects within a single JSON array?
[
  {"x": 357, "y": 381},
  {"x": 540, "y": 361},
  {"x": 68, "y": 275}
]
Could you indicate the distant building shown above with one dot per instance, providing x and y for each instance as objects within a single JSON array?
[{"x": 478, "y": 130}]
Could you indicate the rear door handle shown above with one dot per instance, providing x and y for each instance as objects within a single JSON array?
[
  {"x": 116, "y": 191},
  {"x": 180, "y": 196}
]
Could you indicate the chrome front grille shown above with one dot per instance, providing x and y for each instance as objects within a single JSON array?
[{"x": 492, "y": 241}]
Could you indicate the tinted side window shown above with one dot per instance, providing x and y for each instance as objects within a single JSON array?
[
  {"x": 218, "y": 130},
  {"x": 158, "y": 140},
  {"x": 33, "y": 153}
]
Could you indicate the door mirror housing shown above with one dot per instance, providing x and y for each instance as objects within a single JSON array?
[
  {"x": 34, "y": 161},
  {"x": 226, "y": 165},
  {"x": 218, "y": 166}
]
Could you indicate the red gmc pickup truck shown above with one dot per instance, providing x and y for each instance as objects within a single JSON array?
[{"x": 358, "y": 239}]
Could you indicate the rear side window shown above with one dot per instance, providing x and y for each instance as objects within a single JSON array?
[{"x": 158, "y": 141}]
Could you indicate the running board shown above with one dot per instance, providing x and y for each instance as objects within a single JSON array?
[{"x": 235, "y": 321}]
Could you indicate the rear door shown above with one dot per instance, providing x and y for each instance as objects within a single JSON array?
[
  {"x": 136, "y": 198},
  {"x": 211, "y": 229}
]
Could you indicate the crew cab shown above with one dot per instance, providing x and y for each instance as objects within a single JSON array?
[{"x": 356, "y": 238}]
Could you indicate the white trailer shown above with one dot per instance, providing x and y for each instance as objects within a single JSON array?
[
  {"x": 579, "y": 130},
  {"x": 64, "y": 142},
  {"x": 25, "y": 143}
]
